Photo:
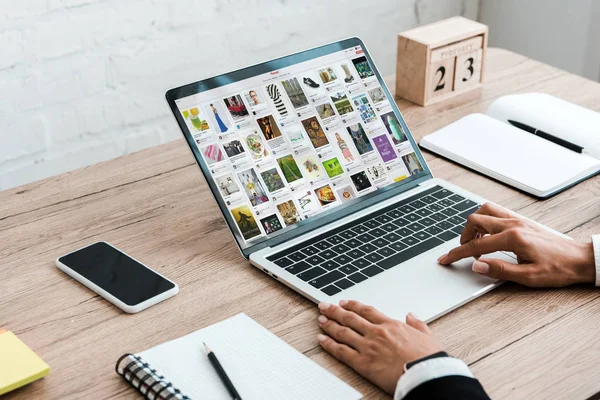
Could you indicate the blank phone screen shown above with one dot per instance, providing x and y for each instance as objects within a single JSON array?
[{"x": 117, "y": 273}]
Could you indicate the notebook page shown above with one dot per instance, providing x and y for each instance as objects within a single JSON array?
[
  {"x": 260, "y": 365},
  {"x": 509, "y": 154},
  {"x": 552, "y": 115}
]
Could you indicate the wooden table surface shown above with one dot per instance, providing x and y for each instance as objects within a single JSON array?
[{"x": 522, "y": 343}]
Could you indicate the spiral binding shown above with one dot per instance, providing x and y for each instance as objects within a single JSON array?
[{"x": 147, "y": 380}]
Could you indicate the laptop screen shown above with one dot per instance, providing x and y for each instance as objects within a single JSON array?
[{"x": 284, "y": 146}]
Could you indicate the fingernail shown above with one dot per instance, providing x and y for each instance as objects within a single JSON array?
[
  {"x": 414, "y": 315},
  {"x": 442, "y": 259},
  {"x": 480, "y": 267},
  {"x": 321, "y": 338},
  {"x": 324, "y": 306},
  {"x": 343, "y": 303},
  {"x": 322, "y": 319}
]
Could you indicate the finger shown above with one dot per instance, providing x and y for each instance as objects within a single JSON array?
[
  {"x": 498, "y": 269},
  {"x": 415, "y": 322},
  {"x": 341, "y": 352},
  {"x": 484, "y": 245},
  {"x": 494, "y": 210},
  {"x": 369, "y": 313},
  {"x": 478, "y": 236},
  {"x": 345, "y": 318},
  {"x": 483, "y": 224},
  {"x": 342, "y": 334}
]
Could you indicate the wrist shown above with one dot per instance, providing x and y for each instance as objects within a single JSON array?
[
  {"x": 439, "y": 354},
  {"x": 585, "y": 264}
]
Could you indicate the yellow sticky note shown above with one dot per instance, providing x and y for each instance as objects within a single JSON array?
[{"x": 20, "y": 365}]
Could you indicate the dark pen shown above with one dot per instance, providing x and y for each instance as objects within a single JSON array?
[
  {"x": 221, "y": 372},
  {"x": 547, "y": 136}
]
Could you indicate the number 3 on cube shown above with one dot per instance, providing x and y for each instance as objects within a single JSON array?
[{"x": 468, "y": 69}]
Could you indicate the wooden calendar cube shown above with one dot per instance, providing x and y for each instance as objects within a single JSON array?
[{"x": 440, "y": 60}]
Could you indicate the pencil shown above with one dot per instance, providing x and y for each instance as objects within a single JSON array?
[{"x": 221, "y": 372}]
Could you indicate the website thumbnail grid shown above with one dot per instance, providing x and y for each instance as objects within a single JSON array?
[{"x": 287, "y": 145}]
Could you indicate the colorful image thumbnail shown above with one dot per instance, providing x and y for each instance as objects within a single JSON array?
[
  {"x": 269, "y": 127},
  {"x": 311, "y": 84},
  {"x": 376, "y": 172},
  {"x": 307, "y": 203},
  {"x": 233, "y": 148},
  {"x": 212, "y": 154},
  {"x": 311, "y": 168},
  {"x": 254, "y": 98},
  {"x": 271, "y": 224},
  {"x": 364, "y": 109},
  {"x": 327, "y": 75},
  {"x": 413, "y": 165},
  {"x": 236, "y": 107},
  {"x": 295, "y": 93},
  {"x": 333, "y": 167},
  {"x": 392, "y": 125},
  {"x": 325, "y": 110},
  {"x": 341, "y": 103},
  {"x": 289, "y": 212},
  {"x": 294, "y": 133},
  {"x": 256, "y": 146},
  {"x": 253, "y": 187},
  {"x": 245, "y": 221},
  {"x": 360, "y": 181},
  {"x": 377, "y": 95},
  {"x": 216, "y": 110},
  {"x": 193, "y": 115},
  {"x": 348, "y": 78},
  {"x": 325, "y": 195},
  {"x": 227, "y": 185},
  {"x": 385, "y": 148},
  {"x": 346, "y": 193},
  {"x": 275, "y": 95},
  {"x": 344, "y": 148},
  {"x": 315, "y": 132},
  {"x": 272, "y": 180},
  {"x": 360, "y": 139},
  {"x": 362, "y": 67},
  {"x": 290, "y": 169}
]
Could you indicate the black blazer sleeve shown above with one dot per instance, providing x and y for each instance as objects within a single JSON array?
[{"x": 449, "y": 388}]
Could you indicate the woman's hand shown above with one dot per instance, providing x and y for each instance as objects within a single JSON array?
[
  {"x": 545, "y": 259},
  {"x": 375, "y": 346}
]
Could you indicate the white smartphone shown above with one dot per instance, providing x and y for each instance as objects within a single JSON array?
[{"x": 119, "y": 278}]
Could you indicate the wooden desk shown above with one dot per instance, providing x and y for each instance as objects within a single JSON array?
[{"x": 521, "y": 343}]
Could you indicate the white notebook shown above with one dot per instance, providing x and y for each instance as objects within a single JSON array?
[
  {"x": 490, "y": 145},
  {"x": 260, "y": 365}
]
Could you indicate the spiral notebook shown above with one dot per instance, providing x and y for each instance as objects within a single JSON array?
[{"x": 260, "y": 365}]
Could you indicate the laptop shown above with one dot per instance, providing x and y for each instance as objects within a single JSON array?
[{"x": 323, "y": 186}]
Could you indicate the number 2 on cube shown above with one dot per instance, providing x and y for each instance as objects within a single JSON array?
[{"x": 441, "y": 83}]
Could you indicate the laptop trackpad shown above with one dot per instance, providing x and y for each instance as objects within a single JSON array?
[
  {"x": 424, "y": 287},
  {"x": 464, "y": 266}
]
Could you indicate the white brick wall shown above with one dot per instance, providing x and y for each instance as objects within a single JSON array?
[{"x": 83, "y": 81}]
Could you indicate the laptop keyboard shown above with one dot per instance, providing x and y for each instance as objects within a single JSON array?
[{"x": 351, "y": 254}]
